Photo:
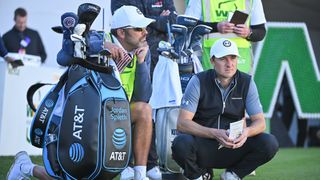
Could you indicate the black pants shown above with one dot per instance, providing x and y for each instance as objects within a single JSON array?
[
  {"x": 195, "y": 154},
  {"x": 152, "y": 156}
]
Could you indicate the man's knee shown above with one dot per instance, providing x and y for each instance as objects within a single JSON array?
[
  {"x": 142, "y": 112},
  {"x": 270, "y": 145},
  {"x": 182, "y": 145}
]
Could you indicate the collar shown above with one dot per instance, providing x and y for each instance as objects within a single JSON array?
[{"x": 218, "y": 82}]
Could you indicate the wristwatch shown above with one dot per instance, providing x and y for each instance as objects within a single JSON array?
[{"x": 249, "y": 36}]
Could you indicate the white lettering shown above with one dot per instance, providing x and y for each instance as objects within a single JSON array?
[
  {"x": 77, "y": 122},
  {"x": 117, "y": 156},
  {"x": 43, "y": 115}
]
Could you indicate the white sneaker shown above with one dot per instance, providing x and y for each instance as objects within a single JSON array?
[
  {"x": 154, "y": 173},
  {"x": 19, "y": 172},
  {"x": 229, "y": 176},
  {"x": 253, "y": 173},
  {"x": 127, "y": 174},
  {"x": 139, "y": 176}
]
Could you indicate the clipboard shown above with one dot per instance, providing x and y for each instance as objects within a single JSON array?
[{"x": 239, "y": 17}]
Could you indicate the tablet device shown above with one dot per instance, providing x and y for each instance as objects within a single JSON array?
[{"x": 239, "y": 17}]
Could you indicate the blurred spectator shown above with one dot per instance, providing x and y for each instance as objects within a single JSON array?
[
  {"x": 4, "y": 52},
  {"x": 23, "y": 40}
]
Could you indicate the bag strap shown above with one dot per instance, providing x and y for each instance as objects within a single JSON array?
[
  {"x": 94, "y": 66},
  {"x": 43, "y": 113}
]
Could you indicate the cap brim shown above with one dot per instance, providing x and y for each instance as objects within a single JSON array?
[{"x": 222, "y": 55}]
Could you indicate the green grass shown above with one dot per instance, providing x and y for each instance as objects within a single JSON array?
[{"x": 288, "y": 164}]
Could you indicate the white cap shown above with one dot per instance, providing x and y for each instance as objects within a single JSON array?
[
  {"x": 224, "y": 47},
  {"x": 129, "y": 16}
]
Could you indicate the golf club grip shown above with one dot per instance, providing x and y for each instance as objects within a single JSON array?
[{"x": 93, "y": 66}]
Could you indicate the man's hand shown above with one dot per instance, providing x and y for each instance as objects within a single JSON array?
[
  {"x": 115, "y": 50},
  {"x": 242, "y": 30},
  {"x": 8, "y": 59},
  {"x": 165, "y": 13},
  {"x": 221, "y": 136},
  {"x": 141, "y": 53},
  {"x": 225, "y": 27},
  {"x": 241, "y": 139}
]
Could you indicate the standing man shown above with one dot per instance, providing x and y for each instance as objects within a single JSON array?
[
  {"x": 23, "y": 40},
  {"x": 163, "y": 11},
  {"x": 213, "y": 99},
  {"x": 215, "y": 14}
]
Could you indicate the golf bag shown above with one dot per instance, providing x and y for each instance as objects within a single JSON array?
[
  {"x": 166, "y": 131},
  {"x": 85, "y": 130},
  {"x": 166, "y": 85}
]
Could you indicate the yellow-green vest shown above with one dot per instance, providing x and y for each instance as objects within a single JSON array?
[
  {"x": 127, "y": 77},
  {"x": 129, "y": 73},
  {"x": 217, "y": 11}
]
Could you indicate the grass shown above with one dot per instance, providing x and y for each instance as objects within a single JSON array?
[{"x": 288, "y": 164}]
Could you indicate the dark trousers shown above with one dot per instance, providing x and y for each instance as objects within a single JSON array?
[
  {"x": 152, "y": 156},
  {"x": 195, "y": 154}
]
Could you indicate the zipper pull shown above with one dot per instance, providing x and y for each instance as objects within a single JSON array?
[{"x": 223, "y": 106}]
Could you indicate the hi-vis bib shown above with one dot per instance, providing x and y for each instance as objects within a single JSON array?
[{"x": 217, "y": 11}]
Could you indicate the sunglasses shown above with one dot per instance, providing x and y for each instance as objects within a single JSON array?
[{"x": 135, "y": 29}]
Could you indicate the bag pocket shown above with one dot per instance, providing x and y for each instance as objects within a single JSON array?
[
  {"x": 117, "y": 134},
  {"x": 79, "y": 138}
]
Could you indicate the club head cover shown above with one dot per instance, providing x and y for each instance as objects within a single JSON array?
[
  {"x": 57, "y": 29},
  {"x": 87, "y": 13},
  {"x": 69, "y": 20},
  {"x": 79, "y": 29},
  {"x": 65, "y": 55}
]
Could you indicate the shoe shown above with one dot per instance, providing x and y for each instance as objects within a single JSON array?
[
  {"x": 127, "y": 174},
  {"x": 139, "y": 176},
  {"x": 21, "y": 167},
  {"x": 208, "y": 175},
  {"x": 253, "y": 173},
  {"x": 229, "y": 176},
  {"x": 154, "y": 173}
]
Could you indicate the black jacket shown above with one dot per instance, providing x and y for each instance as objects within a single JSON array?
[
  {"x": 12, "y": 40},
  {"x": 3, "y": 50}
]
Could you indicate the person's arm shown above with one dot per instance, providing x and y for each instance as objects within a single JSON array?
[
  {"x": 254, "y": 33},
  {"x": 258, "y": 32},
  {"x": 4, "y": 52},
  {"x": 142, "y": 83},
  {"x": 185, "y": 121},
  {"x": 169, "y": 14},
  {"x": 255, "y": 112}
]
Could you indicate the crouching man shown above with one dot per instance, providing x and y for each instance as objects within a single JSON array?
[{"x": 213, "y": 99}]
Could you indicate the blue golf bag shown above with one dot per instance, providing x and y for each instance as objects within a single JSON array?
[{"x": 83, "y": 124}]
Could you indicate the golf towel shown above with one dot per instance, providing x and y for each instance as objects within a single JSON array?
[{"x": 166, "y": 86}]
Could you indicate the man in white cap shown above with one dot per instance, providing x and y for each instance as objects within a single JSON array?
[
  {"x": 213, "y": 99},
  {"x": 130, "y": 51},
  {"x": 128, "y": 34}
]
